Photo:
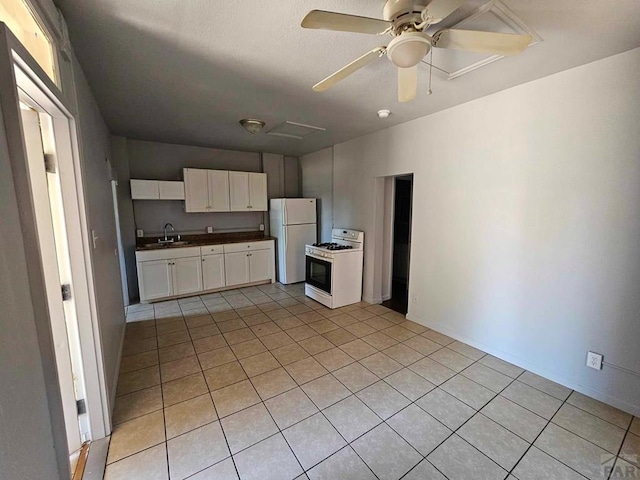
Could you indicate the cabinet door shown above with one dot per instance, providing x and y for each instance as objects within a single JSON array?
[
  {"x": 236, "y": 268},
  {"x": 218, "y": 190},
  {"x": 145, "y": 190},
  {"x": 187, "y": 275},
  {"x": 154, "y": 279},
  {"x": 239, "y": 191},
  {"x": 171, "y": 190},
  {"x": 213, "y": 271},
  {"x": 258, "y": 192},
  {"x": 196, "y": 190},
  {"x": 260, "y": 265}
]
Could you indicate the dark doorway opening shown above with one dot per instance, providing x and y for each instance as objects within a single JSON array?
[{"x": 403, "y": 206}]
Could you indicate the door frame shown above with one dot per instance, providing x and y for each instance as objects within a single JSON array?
[{"x": 19, "y": 71}]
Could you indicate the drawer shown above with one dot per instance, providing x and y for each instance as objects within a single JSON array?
[
  {"x": 167, "y": 253},
  {"x": 248, "y": 246},
  {"x": 211, "y": 249}
]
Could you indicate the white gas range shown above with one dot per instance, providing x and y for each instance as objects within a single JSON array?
[{"x": 334, "y": 270}]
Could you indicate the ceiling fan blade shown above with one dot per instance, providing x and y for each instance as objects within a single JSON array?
[
  {"x": 407, "y": 83},
  {"x": 483, "y": 42},
  {"x": 342, "y": 22},
  {"x": 347, "y": 70},
  {"x": 441, "y": 9}
]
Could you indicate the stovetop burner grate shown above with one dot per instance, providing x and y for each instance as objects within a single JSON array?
[{"x": 332, "y": 246}]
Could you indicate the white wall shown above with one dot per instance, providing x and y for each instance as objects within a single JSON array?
[{"x": 526, "y": 224}]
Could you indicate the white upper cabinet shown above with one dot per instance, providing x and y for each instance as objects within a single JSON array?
[
  {"x": 156, "y": 190},
  {"x": 218, "y": 182},
  {"x": 258, "y": 191},
  {"x": 239, "y": 191},
  {"x": 248, "y": 191},
  {"x": 206, "y": 190},
  {"x": 196, "y": 190},
  {"x": 145, "y": 190},
  {"x": 171, "y": 190}
]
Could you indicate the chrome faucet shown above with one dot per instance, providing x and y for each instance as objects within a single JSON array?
[{"x": 166, "y": 240}]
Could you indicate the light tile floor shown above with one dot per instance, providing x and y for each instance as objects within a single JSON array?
[{"x": 263, "y": 383}]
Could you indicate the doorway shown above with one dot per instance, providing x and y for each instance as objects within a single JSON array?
[
  {"x": 44, "y": 155},
  {"x": 401, "y": 243}
]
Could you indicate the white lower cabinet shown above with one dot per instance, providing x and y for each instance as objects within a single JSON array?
[
  {"x": 236, "y": 268},
  {"x": 187, "y": 275},
  {"x": 260, "y": 265},
  {"x": 178, "y": 272},
  {"x": 155, "y": 279},
  {"x": 213, "y": 274}
]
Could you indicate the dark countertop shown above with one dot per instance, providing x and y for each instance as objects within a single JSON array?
[{"x": 151, "y": 243}]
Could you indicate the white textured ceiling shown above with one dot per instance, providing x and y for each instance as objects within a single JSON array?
[{"x": 185, "y": 71}]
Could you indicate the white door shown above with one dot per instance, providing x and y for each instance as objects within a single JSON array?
[
  {"x": 295, "y": 239},
  {"x": 187, "y": 275},
  {"x": 239, "y": 191},
  {"x": 236, "y": 268},
  {"x": 218, "y": 190},
  {"x": 258, "y": 191},
  {"x": 196, "y": 190},
  {"x": 259, "y": 265},
  {"x": 299, "y": 210},
  {"x": 213, "y": 271},
  {"x": 155, "y": 279},
  {"x": 56, "y": 267}
]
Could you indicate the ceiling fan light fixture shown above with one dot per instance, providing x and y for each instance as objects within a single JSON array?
[
  {"x": 252, "y": 125},
  {"x": 408, "y": 49}
]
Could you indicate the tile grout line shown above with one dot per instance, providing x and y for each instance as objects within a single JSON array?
[{"x": 164, "y": 418}]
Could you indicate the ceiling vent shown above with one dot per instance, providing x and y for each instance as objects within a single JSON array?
[{"x": 294, "y": 130}]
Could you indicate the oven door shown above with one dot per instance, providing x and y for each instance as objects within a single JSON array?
[{"x": 319, "y": 273}]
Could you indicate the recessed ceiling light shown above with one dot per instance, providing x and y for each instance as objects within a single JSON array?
[
  {"x": 252, "y": 125},
  {"x": 384, "y": 113}
]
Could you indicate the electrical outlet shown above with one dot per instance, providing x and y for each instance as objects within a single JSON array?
[
  {"x": 262, "y": 227},
  {"x": 594, "y": 360},
  {"x": 209, "y": 229},
  {"x": 140, "y": 233}
]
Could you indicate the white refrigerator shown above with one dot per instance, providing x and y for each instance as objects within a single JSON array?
[{"x": 293, "y": 223}]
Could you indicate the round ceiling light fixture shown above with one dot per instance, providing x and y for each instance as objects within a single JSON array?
[
  {"x": 408, "y": 49},
  {"x": 252, "y": 125},
  {"x": 384, "y": 113}
]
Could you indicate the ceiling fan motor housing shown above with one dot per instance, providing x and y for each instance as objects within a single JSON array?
[
  {"x": 408, "y": 49},
  {"x": 402, "y": 12}
]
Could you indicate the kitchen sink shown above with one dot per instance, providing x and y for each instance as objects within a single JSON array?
[{"x": 154, "y": 246}]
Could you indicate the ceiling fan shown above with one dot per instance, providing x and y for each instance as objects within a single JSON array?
[{"x": 407, "y": 21}]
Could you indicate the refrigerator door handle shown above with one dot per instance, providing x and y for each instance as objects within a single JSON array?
[{"x": 284, "y": 213}]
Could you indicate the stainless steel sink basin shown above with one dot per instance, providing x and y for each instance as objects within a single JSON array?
[{"x": 181, "y": 243}]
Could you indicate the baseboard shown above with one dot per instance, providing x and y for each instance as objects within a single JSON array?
[
  {"x": 386, "y": 297},
  {"x": 597, "y": 394}
]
